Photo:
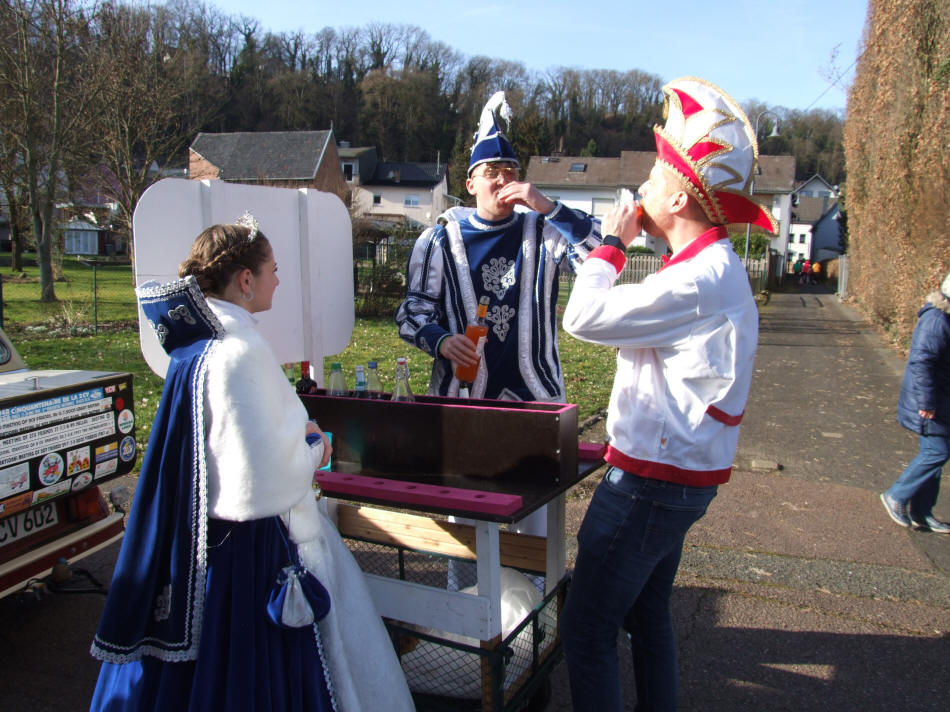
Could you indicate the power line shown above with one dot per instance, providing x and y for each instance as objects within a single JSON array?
[{"x": 833, "y": 84}]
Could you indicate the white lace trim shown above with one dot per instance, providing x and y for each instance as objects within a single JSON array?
[
  {"x": 323, "y": 662},
  {"x": 481, "y": 225},
  {"x": 154, "y": 291}
]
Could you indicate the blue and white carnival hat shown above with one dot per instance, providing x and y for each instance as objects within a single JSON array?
[{"x": 490, "y": 143}]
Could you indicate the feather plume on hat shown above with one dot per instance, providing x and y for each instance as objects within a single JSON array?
[
  {"x": 486, "y": 124},
  {"x": 490, "y": 143}
]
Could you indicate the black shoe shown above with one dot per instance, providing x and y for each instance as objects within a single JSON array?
[{"x": 897, "y": 510}]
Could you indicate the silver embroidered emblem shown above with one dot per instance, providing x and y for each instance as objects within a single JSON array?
[
  {"x": 161, "y": 331},
  {"x": 163, "y": 604},
  {"x": 500, "y": 316},
  {"x": 498, "y": 276},
  {"x": 182, "y": 312}
]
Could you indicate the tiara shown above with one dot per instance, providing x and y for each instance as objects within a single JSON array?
[{"x": 250, "y": 222}]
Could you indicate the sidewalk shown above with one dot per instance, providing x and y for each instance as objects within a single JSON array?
[{"x": 796, "y": 591}]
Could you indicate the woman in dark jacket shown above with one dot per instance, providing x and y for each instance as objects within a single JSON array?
[{"x": 924, "y": 407}]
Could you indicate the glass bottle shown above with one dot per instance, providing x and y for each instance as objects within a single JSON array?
[
  {"x": 373, "y": 385},
  {"x": 402, "y": 391},
  {"x": 476, "y": 332},
  {"x": 336, "y": 384},
  {"x": 306, "y": 385},
  {"x": 361, "y": 391}
]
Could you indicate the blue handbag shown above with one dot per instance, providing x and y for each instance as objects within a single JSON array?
[{"x": 297, "y": 599}]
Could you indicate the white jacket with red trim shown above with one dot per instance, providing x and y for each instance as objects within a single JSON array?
[{"x": 686, "y": 337}]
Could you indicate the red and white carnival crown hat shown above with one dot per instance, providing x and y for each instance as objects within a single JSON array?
[{"x": 709, "y": 141}]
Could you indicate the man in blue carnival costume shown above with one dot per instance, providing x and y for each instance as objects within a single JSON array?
[
  {"x": 512, "y": 257},
  {"x": 232, "y": 590},
  {"x": 685, "y": 339}
]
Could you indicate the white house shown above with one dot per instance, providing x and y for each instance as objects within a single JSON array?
[
  {"x": 816, "y": 187},
  {"x": 815, "y": 232},
  {"x": 387, "y": 190}
]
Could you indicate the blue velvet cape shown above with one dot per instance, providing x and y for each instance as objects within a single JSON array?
[{"x": 156, "y": 599}]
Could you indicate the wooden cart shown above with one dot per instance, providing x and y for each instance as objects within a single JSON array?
[{"x": 401, "y": 469}]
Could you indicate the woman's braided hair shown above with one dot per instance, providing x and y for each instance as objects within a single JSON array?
[{"x": 220, "y": 252}]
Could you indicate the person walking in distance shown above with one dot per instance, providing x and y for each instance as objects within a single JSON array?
[{"x": 924, "y": 407}]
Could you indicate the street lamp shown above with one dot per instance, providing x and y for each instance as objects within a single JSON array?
[{"x": 748, "y": 227}]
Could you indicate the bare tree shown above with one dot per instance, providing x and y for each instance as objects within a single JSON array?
[
  {"x": 51, "y": 84},
  {"x": 13, "y": 186},
  {"x": 157, "y": 94}
]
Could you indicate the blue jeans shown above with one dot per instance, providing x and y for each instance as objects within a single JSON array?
[
  {"x": 629, "y": 549},
  {"x": 919, "y": 484}
]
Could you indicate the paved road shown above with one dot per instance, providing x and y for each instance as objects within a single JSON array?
[{"x": 796, "y": 591}]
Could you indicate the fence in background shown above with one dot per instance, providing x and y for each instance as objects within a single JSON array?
[
  {"x": 96, "y": 295},
  {"x": 639, "y": 267},
  {"x": 92, "y": 295}
]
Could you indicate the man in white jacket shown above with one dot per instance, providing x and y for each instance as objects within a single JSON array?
[{"x": 686, "y": 339}]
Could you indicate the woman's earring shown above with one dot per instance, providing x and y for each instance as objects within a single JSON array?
[{"x": 248, "y": 296}]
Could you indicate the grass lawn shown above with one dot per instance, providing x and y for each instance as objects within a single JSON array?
[
  {"x": 588, "y": 369},
  {"x": 86, "y": 295}
]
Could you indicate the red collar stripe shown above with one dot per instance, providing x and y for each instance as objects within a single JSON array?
[{"x": 713, "y": 234}]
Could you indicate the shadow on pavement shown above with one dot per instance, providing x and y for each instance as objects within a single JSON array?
[{"x": 746, "y": 668}]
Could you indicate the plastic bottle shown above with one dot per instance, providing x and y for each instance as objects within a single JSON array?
[
  {"x": 336, "y": 384},
  {"x": 373, "y": 385},
  {"x": 361, "y": 389},
  {"x": 402, "y": 391},
  {"x": 475, "y": 332}
]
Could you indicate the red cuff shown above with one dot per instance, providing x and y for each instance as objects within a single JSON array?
[{"x": 613, "y": 255}]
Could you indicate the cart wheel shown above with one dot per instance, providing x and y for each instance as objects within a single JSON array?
[{"x": 540, "y": 699}]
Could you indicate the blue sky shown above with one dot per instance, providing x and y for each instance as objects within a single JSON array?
[{"x": 779, "y": 52}]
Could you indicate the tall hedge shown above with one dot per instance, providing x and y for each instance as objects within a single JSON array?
[{"x": 897, "y": 156}]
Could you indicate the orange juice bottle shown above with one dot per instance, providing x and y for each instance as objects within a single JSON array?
[{"x": 475, "y": 332}]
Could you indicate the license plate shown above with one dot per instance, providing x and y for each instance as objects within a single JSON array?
[{"x": 22, "y": 524}]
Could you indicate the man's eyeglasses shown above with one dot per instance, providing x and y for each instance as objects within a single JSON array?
[{"x": 509, "y": 172}]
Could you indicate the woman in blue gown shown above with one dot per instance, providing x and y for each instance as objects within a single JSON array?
[{"x": 224, "y": 521}]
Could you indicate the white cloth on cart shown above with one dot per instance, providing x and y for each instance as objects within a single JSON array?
[{"x": 437, "y": 669}]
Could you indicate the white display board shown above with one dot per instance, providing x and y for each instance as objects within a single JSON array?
[{"x": 311, "y": 234}]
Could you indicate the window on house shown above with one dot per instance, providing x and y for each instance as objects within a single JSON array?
[
  {"x": 578, "y": 167},
  {"x": 348, "y": 172},
  {"x": 801, "y": 238},
  {"x": 411, "y": 201},
  {"x": 377, "y": 199}
]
